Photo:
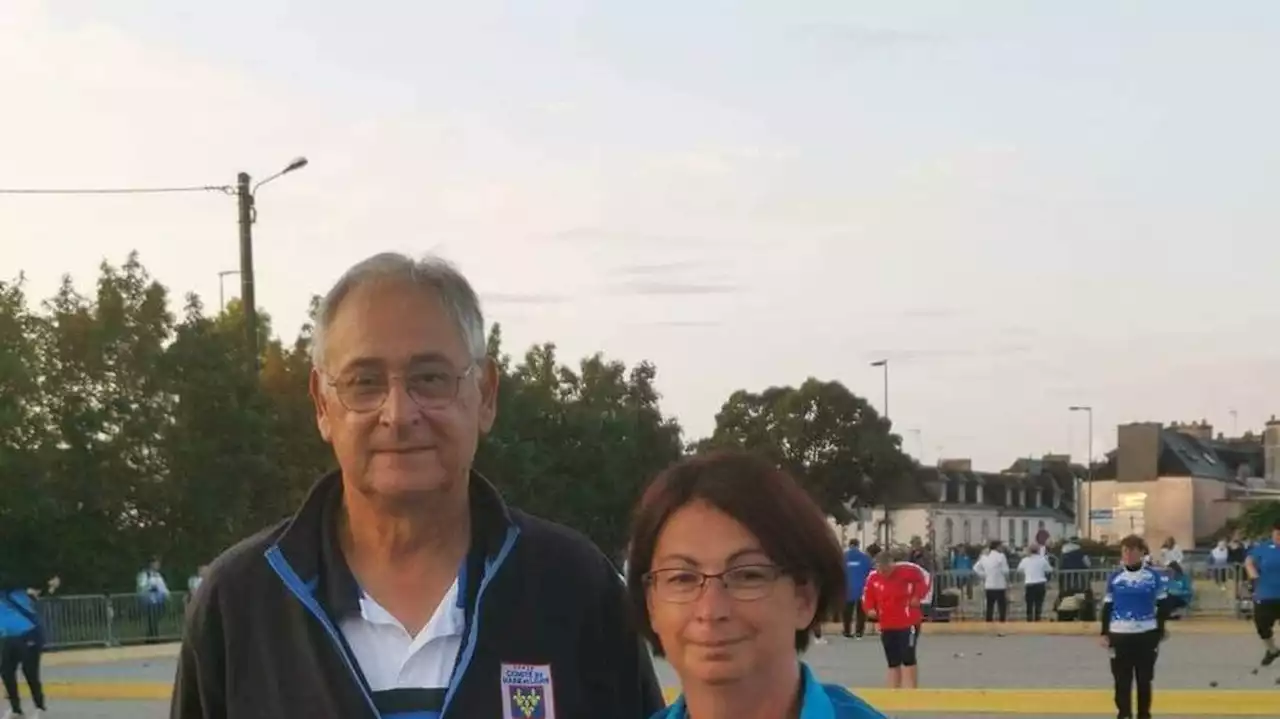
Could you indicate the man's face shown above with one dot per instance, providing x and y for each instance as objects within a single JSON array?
[{"x": 395, "y": 335}]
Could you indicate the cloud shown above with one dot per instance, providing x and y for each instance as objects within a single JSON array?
[
  {"x": 522, "y": 298},
  {"x": 682, "y": 323},
  {"x": 646, "y": 287},
  {"x": 944, "y": 353},
  {"x": 656, "y": 268},
  {"x": 860, "y": 37},
  {"x": 640, "y": 240},
  {"x": 929, "y": 313}
]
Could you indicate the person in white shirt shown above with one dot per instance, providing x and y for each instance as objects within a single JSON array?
[
  {"x": 1218, "y": 559},
  {"x": 1035, "y": 570},
  {"x": 1170, "y": 552},
  {"x": 993, "y": 567},
  {"x": 153, "y": 592}
]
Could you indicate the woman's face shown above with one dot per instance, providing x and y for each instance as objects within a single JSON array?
[{"x": 720, "y": 635}]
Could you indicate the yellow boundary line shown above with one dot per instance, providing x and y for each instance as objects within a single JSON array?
[{"x": 1032, "y": 702}]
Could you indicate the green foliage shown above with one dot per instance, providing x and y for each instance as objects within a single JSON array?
[
  {"x": 1258, "y": 519},
  {"x": 577, "y": 447},
  {"x": 127, "y": 431},
  {"x": 832, "y": 440}
]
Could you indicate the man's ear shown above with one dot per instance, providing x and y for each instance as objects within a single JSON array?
[
  {"x": 488, "y": 394},
  {"x": 315, "y": 387}
]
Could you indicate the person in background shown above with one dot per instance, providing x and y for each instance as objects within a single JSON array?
[
  {"x": 1218, "y": 562},
  {"x": 1133, "y": 625},
  {"x": 153, "y": 594},
  {"x": 993, "y": 567},
  {"x": 1035, "y": 570},
  {"x": 1263, "y": 567},
  {"x": 21, "y": 645},
  {"x": 962, "y": 568},
  {"x": 857, "y": 565},
  {"x": 732, "y": 564},
  {"x": 1170, "y": 552},
  {"x": 1178, "y": 585},
  {"x": 194, "y": 581},
  {"x": 894, "y": 594},
  {"x": 1236, "y": 550}
]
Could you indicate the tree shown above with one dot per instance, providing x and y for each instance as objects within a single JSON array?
[
  {"x": 1259, "y": 518},
  {"x": 830, "y": 439},
  {"x": 577, "y": 447}
]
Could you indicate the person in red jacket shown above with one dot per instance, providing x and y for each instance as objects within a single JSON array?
[{"x": 894, "y": 592}]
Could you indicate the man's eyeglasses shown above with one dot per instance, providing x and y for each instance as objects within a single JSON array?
[
  {"x": 365, "y": 390},
  {"x": 745, "y": 583}
]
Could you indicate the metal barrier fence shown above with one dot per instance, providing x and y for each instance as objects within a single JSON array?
[
  {"x": 1221, "y": 592},
  {"x": 110, "y": 620}
]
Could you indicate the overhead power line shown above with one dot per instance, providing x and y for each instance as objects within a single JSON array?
[{"x": 227, "y": 189}]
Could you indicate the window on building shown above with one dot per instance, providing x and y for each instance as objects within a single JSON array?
[
  {"x": 986, "y": 531},
  {"x": 968, "y": 532},
  {"x": 948, "y": 532},
  {"x": 1026, "y": 536},
  {"x": 1012, "y": 536}
]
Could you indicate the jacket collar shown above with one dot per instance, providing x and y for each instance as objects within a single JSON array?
[
  {"x": 309, "y": 542},
  {"x": 814, "y": 702}
]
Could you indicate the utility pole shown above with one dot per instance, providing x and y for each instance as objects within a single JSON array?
[
  {"x": 884, "y": 364},
  {"x": 247, "y": 300}
]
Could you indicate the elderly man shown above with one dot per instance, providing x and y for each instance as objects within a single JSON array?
[{"x": 404, "y": 586}]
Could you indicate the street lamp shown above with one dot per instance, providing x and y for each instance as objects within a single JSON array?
[
  {"x": 884, "y": 364},
  {"x": 1089, "y": 505},
  {"x": 248, "y": 215},
  {"x": 222, "y": 301}
]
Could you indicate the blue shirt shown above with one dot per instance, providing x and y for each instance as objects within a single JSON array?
[
  {"x": 1134, "y": 596},
  {"x": 819, "y": 701},
  {"x": 857, "y": 565},
  {"x": 1180, "y": 586},
  {"x": 1266, "y": 560},
  {"x": 12, "y": 622},
  {"x": 962, "y": 562}
]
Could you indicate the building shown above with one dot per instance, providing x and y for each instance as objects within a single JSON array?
[
  {"x": 953, "y": 504},
  {"x": 1180, "y": 481}
]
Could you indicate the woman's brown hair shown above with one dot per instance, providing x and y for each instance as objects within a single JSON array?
[{"x": 790, "y": 527}]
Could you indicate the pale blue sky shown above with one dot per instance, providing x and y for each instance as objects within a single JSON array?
[{"x": 1025, "y": 205}]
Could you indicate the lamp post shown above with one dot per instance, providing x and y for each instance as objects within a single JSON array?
[
  {"x": 1089, "y": 504},
  {"x": 888, "y": 530},
  {"x": 248, "y": 214},
  {"x": 884, "y": 364},
  {"x": 222, "y": 299}
]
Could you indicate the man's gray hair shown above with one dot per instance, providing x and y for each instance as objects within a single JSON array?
[{"x": 431, "y": 273}]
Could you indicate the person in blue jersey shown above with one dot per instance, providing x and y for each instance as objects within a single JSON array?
[
  {"x": 1263, "y": 567},
  {"x": 732, "y": 564},
  {"x": 21, "y": 644},
  {"x": 857, "y": 565},
  {"x": 1133, "y": 625}
]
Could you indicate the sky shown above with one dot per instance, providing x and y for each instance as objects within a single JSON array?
[{"x": 1022, "y": 205}]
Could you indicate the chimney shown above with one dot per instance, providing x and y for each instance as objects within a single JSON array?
[
  {"x": 955, "y": 465},
  {"x": 1271, "y": 450},
  {"x": 1138, "y": 446},
  {"x": 1201, "y": 430}
]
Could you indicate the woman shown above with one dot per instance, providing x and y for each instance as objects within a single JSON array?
[
  {"x": 1035, "y": 570},
  {"x": 993, "y": 567},
  {"x": 1133, "y": 618},
  {"x": 731, "y": 566},
  {"x": 21, "y": 643},
  {"x": 894, "y": 594}
]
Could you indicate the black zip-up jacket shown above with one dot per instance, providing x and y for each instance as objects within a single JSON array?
[{"x": 262, "y": 637}]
